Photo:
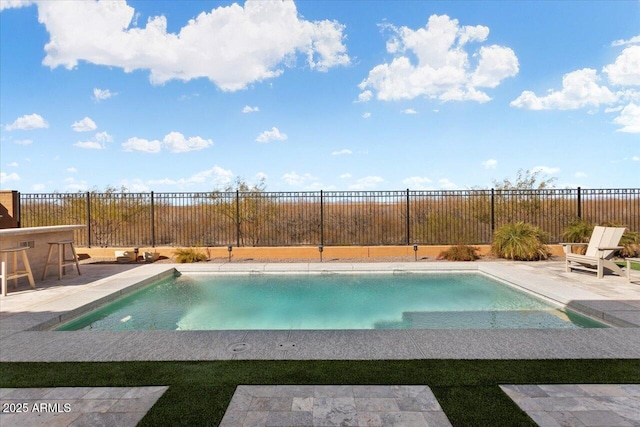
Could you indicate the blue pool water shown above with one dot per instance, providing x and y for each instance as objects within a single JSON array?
[{"x": 336, "y": 301}]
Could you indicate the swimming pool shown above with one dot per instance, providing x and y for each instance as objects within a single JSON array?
[{"x": 334, "y": 301}]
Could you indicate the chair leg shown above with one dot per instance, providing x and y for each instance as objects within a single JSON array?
[
  {"x": 75, "y": 258},
  {"x": 27, "y": 267},
  {"x": 60, "y": 261},
  {"x": 3, "y": 272},
  {"x": 14, "y": 261},
  {"x": 600, "y": 268},
  {"x": 46, "y": 264}
]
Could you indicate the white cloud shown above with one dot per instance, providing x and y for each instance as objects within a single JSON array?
[
  {"x": 90, "y": 145},
  {"x": 366, "y": 115},
  {"x": 233, "y": 46},
  {"x": 345, "y": 175},
  {"x": 28, "y": 122},
  {"x": 297, "y": 180},
  {"x": 248, "y": 109},
  {"x": 625, "y": 70},
  {"x": 341, "y": 152},
  {"x": 6, "y": 178},
  {"x": 98, "y": 143},
  {"x": 496, "y": 63},
  {"x": 84, "y": 125},
  {"x": 580, "y": 175},
  {"x": 261, "y": 176},
  {"x": 636, "y": 158},
  {"x": 141, "y": 144},
  {"x": 632, "y": 40},
  {"x": 445, "y": 184},
  {"x": 271, "y": 135},
  {"x": 135, "y": 186},
  {"x": 490, "y": 164},
  {"x": 365, "y": 96},
  {"x": 579, "y": 89},
  {"x": 409, "y": 111},
  {"x": 72, "y": 170},
  {"x": 177, "y": 143},
  {"x": 545, "y": 170},
  {"x": 102, "y": 94},
  {"x": 217, "y": 177},
  {"x": 13, "y": 164},
  {"x": 443, "y": 68},
  {"x": 38, "y": 187},
  {"x": 103, "y": 137},
  {"x": 366, "y": 182},
  {"x": 629, "y": 119},
  {"x": 73, "y": 185},
  {"x": 8, "y": 4},
  {"x": 23, "y": 141},
  {"x": 417, "y": 182}
]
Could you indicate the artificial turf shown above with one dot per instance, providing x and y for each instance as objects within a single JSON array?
[{"x": 199, "y": 392}]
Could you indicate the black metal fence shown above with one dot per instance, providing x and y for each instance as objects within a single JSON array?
[{"x": 329, "y": 218}]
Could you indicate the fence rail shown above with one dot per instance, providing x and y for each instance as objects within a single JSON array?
[{"x": 328, "y": 218}]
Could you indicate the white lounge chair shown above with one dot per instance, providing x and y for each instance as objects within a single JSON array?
[{"x": 601, "y": 247}]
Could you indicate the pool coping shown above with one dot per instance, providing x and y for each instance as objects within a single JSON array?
[{"x": 27, "y": 336}]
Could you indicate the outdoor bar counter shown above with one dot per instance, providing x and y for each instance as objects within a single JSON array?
[{"x": 37, "y": 239}]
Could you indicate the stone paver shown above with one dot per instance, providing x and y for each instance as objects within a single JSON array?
[
  {"x": 76, "y": 406},
  {"x": 595, "y": 405},
  {"x": 373, "y": 406}
]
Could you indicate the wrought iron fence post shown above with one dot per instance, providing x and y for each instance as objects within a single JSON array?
[
  {"x": 153, "y": 223},
  {"x": 18, "y": 202},
  {"x": 88, "y": 219},
  {"x": 238, "y": 218},
  {"x": 408, "y": 224},
  {"x": 579, "y": 204},
  {"x": 493, "y": 211},
  {"x": 321, "y": 219}
]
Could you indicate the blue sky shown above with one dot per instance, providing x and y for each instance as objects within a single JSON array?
[{"x": 336, "y": 95}]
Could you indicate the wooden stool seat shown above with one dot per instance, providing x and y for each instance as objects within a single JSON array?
[
  {"x": 62, "y": 261},
  {"x": 13, "y": 273}
]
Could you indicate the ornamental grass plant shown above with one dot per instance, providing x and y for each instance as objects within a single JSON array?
[
  {"x": 521, "y": 242},
  {"x": 578, "y": 231},
  {"x": 460, "y": 253},
  {"x": 189, "y": 255}
]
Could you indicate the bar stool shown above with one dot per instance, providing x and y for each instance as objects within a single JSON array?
[
  {"x": 62, "y": 261},
  {"x": 13, "y": 273}
]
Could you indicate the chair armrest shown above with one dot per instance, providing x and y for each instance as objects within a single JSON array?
[
  {"x": 609, "y": 248},
  {"x": 567, "y": 247}
]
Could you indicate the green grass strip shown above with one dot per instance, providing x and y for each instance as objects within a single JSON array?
[{"x": 199, "y": 392}]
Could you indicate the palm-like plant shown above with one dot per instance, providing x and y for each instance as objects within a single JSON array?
[{"x": 521, "y": 242}]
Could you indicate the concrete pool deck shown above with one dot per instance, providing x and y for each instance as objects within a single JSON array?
[{"x": 27, "y": 317}]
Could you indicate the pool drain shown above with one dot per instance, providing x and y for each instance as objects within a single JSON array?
[
  {"x": 238, "y": 347},
  {"x": 286, "y": 346}
]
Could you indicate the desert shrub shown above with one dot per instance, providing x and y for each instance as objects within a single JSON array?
[
  {"x": 521, "y": 242},
  {"x": 460, "y": 253},
  {"x": 189, "y": 255},
  {"x": 578, "y": 231},
  {"x": 630, "y": 240}
]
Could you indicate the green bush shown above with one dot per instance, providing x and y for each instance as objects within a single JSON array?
[
  {"x": 189, "y": 255},
  {"x": 521, "y": 242},
  {"x": 460, "y": 253}
]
